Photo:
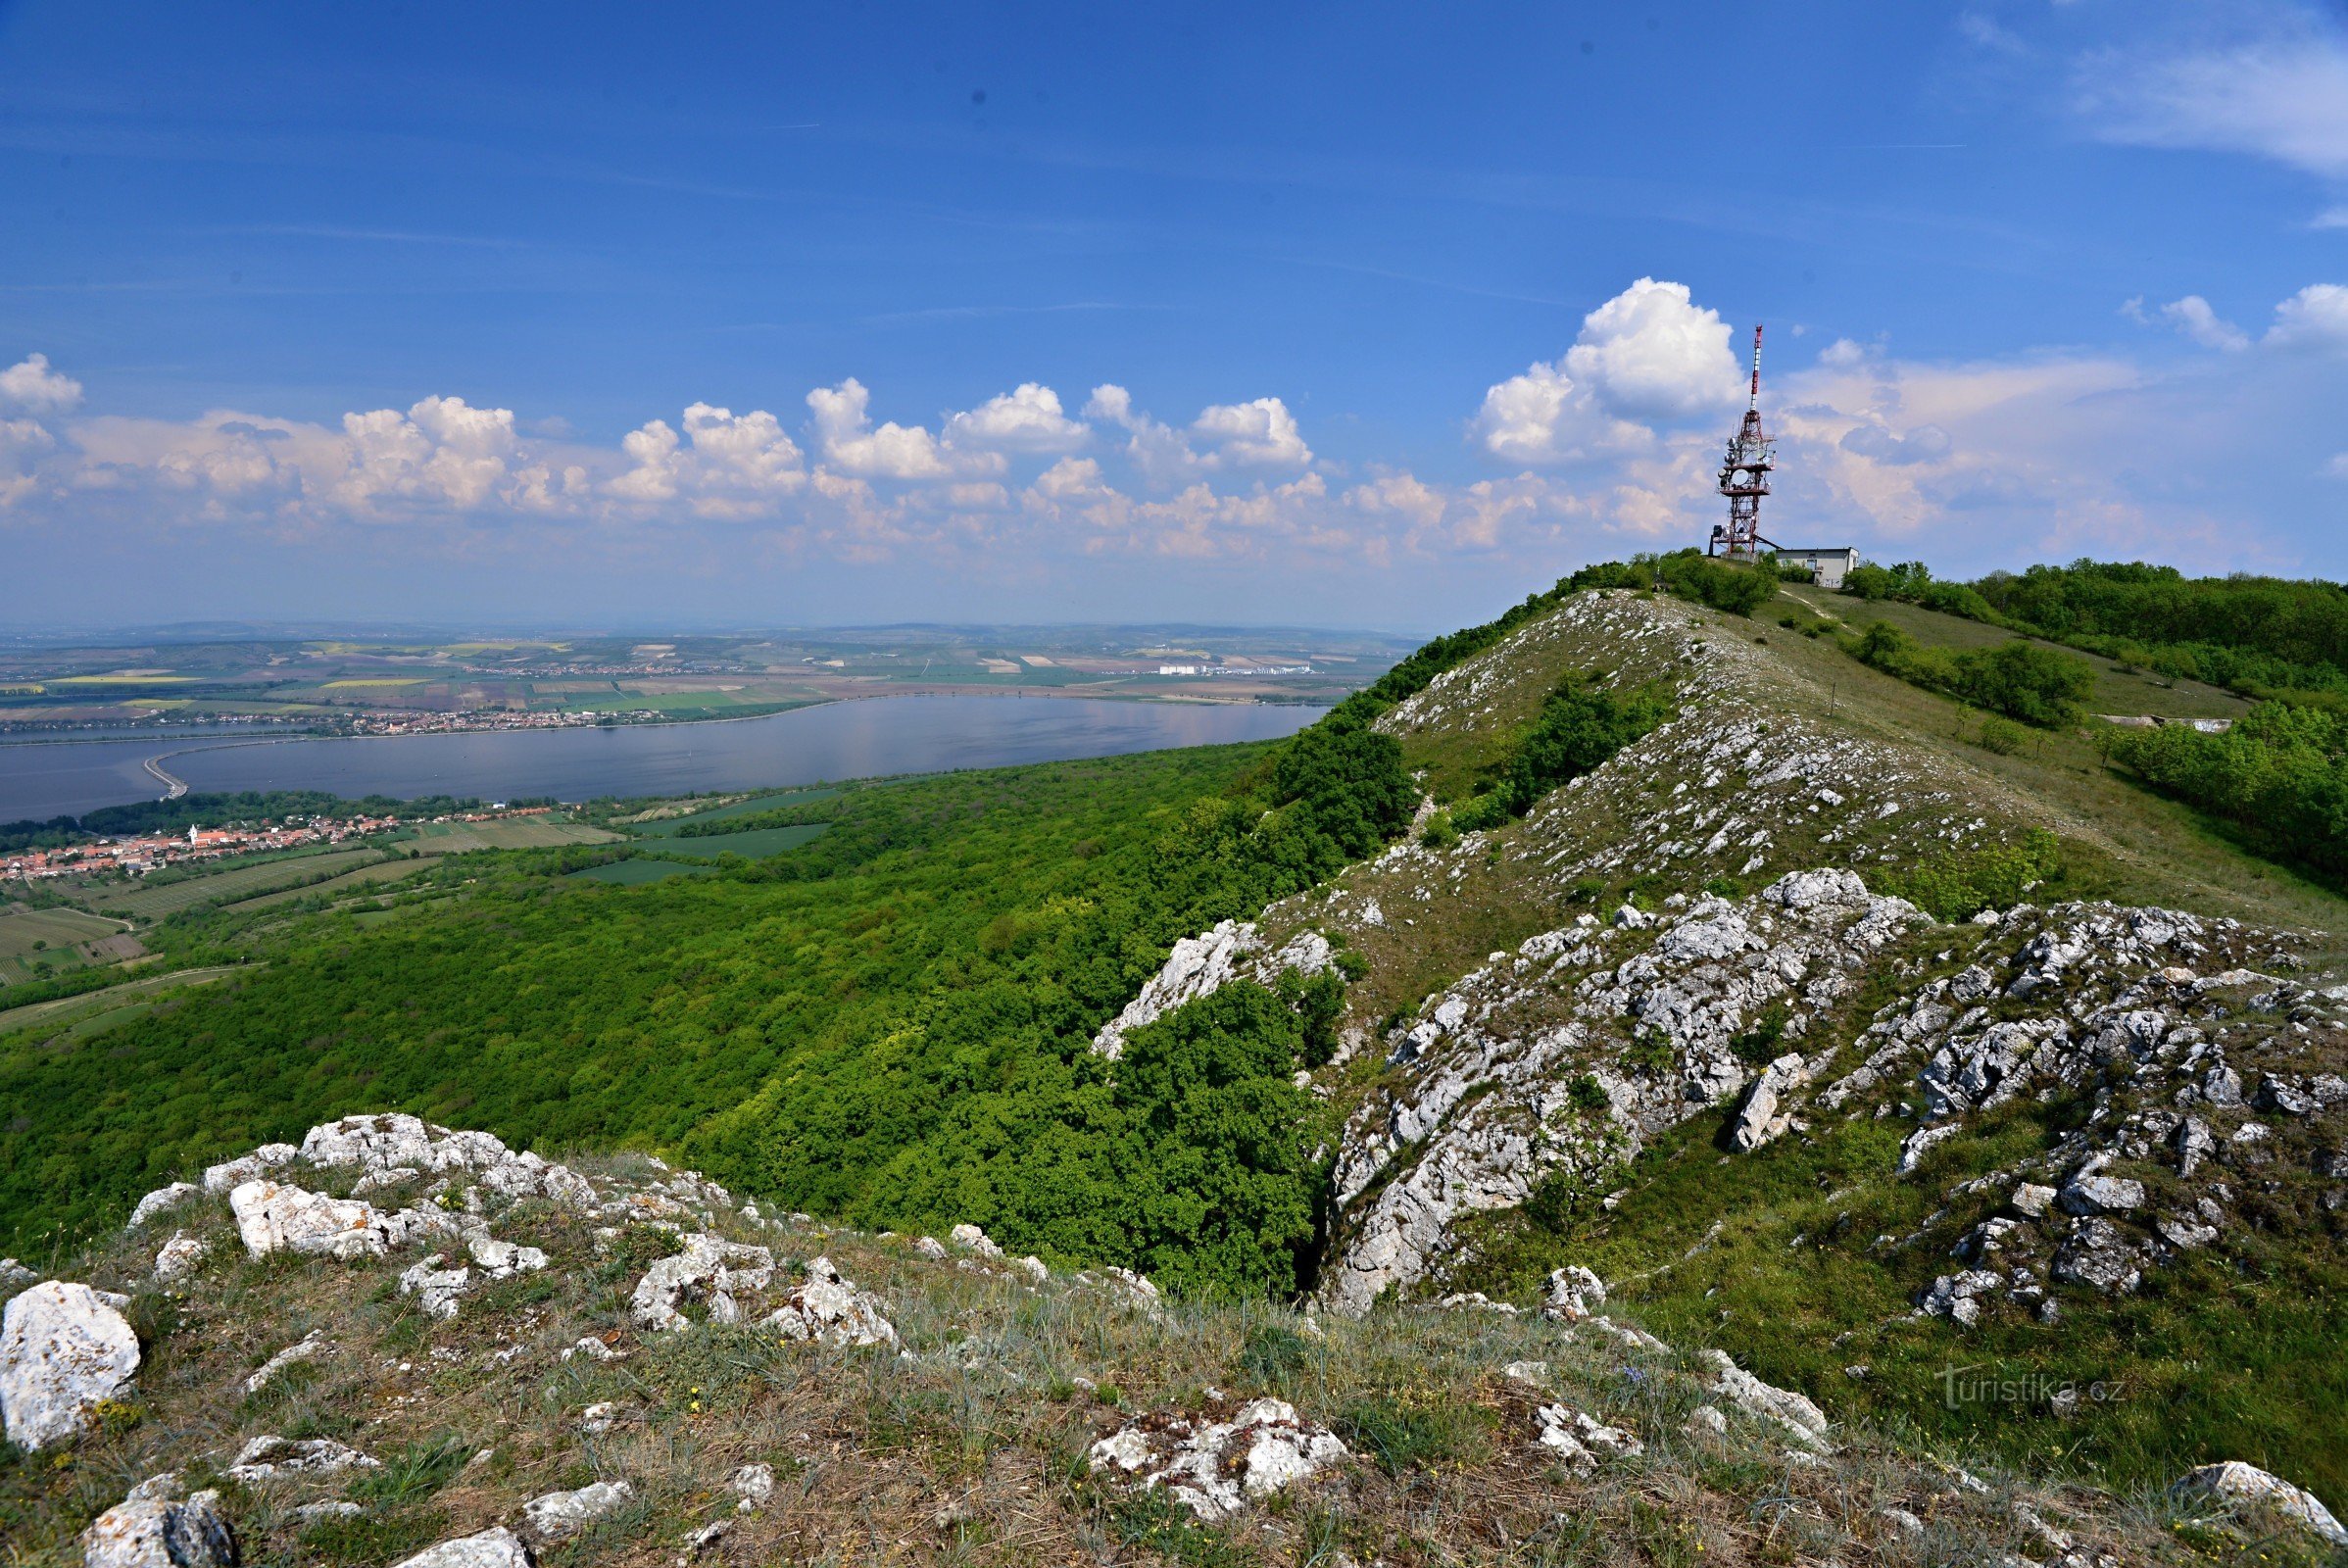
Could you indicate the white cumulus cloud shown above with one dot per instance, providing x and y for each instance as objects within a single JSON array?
[
  {"x": 850, "y": 443},
  {"x": 1262, "y": 433},
  {"x": 725, "y": 466},
  {"x": 2316, "y": 317},
  {"x": 1650, "y": 353},
  {"x": 2194, "y": 316},
  {"x": 1028, "y": 420},
  {"x": 30, "y": 387}
]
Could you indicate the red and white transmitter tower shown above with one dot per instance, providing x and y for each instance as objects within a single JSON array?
[{"x": 1745, "y": 478}]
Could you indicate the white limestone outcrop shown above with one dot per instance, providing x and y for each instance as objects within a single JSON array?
[{"x": 65, "y": 1350}]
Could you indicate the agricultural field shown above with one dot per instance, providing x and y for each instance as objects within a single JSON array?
[
  {"x": 365, "y": 876},
  {"x": 73, "y": 1010},
  {"x": 508, "y": 833},
  {"x": 160, "y": 902},
  {"x": 666, "y": 827},
  {"x": 59, "y": 938},
  {"x": 754, "y": 845}
]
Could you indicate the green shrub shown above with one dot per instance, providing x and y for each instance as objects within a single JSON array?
[
  {"x": 1958, "y": 885},
  {"x": 2278, "y": 778},
  {"x": 2002, "y": 736}
]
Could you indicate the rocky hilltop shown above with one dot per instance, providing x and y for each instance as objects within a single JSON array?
[
  {"x": 395, "y": 1342},
  {"x": 1697, "y": 1194}
]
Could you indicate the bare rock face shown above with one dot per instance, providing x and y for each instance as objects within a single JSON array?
[
  {"x": 494, "y": 1547},
  {"x": 232, "y": 1174},
  {"x": 1517, "y": 1071},
  {"x": 561, "y": 1515},
  {"x": 709, "y": 1268},
  {"x": 1794, "y": 1411},
  {"x": 1200, "y": 966},
  {"x": 63, "y": 1351},
  {"x": 408, "y": 1144},
  {"x": 830, "y": 1310},
  {"x": 1216, "y": 1468},
  {"x": 308, "y": 1348},
  {"x": 275, "y": 1217},
  {"x": 154, "y": 1532},
  {"x": 2236, "y": 1482},
  {"x": 1574, "y": 1294}
]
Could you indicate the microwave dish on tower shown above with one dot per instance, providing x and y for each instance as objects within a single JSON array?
[{"x": 1745, "y": 478}]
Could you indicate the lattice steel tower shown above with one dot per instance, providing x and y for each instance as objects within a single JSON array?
[{"x": 1745, "y": 478}]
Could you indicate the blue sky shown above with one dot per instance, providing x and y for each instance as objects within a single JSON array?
[{"x": 1369, "y": 315}]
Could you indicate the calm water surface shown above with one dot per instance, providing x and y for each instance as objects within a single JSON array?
[{"x": 835, "y": 741}]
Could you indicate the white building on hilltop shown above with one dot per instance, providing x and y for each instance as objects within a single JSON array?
[{"x": 1829, "y": 566}]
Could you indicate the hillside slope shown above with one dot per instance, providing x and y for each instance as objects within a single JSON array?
[
  {"x": 1672, "y": 1026},
  {"x": 395, "y": 1344}
]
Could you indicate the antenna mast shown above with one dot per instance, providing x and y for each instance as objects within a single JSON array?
[{"x": 1744, "y": 477}]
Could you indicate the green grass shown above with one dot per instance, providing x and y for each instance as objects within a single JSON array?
[
  {"x": 754, "y": 845},
  {"x": 2122, "y": 841}
]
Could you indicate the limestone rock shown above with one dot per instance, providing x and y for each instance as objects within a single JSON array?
[
  {"x": 232, "y": 1174},
  {"x": 179, "y": 1257},
  {"x": 267, "y": 1458},
  {"x": 2101, "y": 1256},
  {"x": 1215, "y": 1468},
  {"x": 63, "y": 1351},
  {"x": 1581, "y": 1439},
  {"x": 752, "y": 1485},
  {"x": 1574, "y": 1293},
  {"x": 2101, "y": 1195},
  {"x": 1764, "y": 1119},
  {"x": 1032, "y": 1267},
  {"x": 275, "y": 1216},
  {"x": 397, "y": 1142},
  {"x": 494, "y": 1547},
  {"x": 503, "y": 1259},
  {"x": 156, "y": 1201},
  {"x": 308, "y": 1348},
  {"x": 709, "y": 1268},
  {"x": 1197, "y": 966},
  {"x": 14, "y": 1276},
  {"x": 2236, "y": 1482},
  {"x": 971, "y": 1238},
  {"x": 561, "y": 1515},
  {"x": 2033, "y": 1199},
  {"x": 153, "y": 1533},
  {"x": 437, "y": 1289},
  {"x": 931, "y": 1248},
  {"x": 1791, "y": 1410},
  {"x": 829, "y": 1311}
]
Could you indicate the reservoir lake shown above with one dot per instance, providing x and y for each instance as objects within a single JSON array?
[{"x": 859, "y": 739}]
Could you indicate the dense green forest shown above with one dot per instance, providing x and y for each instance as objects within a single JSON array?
[
  {"x": 2261, "y": 636},
  {"x": 930, "y": 969}
]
